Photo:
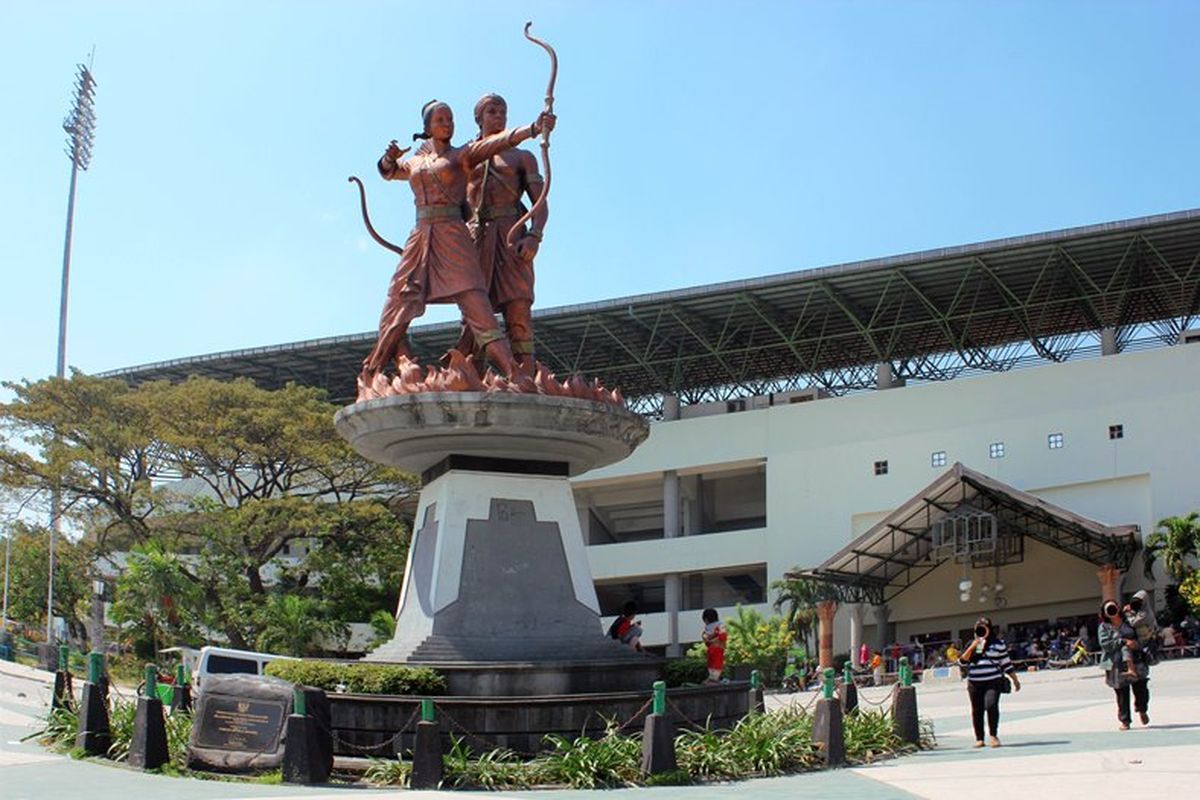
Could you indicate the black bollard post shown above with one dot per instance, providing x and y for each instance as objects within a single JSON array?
[
  {"x": 828, "y": 733},
  {"x": 756, "y": 704},
  {"x": 181, "y": 692},
  {"x": 306, "y": 760},
  {"x": 427, "y": 751},
  {"x": 148, "y": 750},
  {"x": 905, "y": 721},
  {"x": 848, "y": 691},
  {"x": 64, "y": 692},
  {"x": 658, "y": 736},
  {"x": 94, "y": 735}
]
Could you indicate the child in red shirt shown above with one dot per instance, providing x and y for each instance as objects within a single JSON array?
[{"x": 715, "y": 638}]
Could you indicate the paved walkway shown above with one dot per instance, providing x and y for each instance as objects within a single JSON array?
[{"x": 1060, "y": 735}]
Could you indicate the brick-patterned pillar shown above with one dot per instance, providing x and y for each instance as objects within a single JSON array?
[
  {"x": 826, "y": 610},
  {"x": 1110, "y": 582}
]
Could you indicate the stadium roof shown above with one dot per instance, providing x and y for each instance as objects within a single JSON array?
[{"x": 931, "y": 315}]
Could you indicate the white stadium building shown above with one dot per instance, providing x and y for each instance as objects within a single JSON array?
[{"x": 1018, "y": 414}]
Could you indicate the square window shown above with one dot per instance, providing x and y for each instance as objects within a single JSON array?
[
  {"x": 1054, "y": 441},
  {"x": 938, "y": 458},
  {"x": 1116, "y": 431},
  {"x": 881, "y": 468},
  {"x": 996, "y": 450}
]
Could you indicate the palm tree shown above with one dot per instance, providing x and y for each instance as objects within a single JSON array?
[
  {"x": 1176, "y": 542},
  {"x": 295, "y": 626},
  {"x": 797, "y": 599},
  {"x": 383, "y": 628},
  {"x": 156, "y": 595}
]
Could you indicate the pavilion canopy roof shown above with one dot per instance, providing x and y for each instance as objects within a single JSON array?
[{"x": 900, "y": 549}]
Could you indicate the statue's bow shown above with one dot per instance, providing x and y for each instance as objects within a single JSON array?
[{"x": 549, "y": 109}]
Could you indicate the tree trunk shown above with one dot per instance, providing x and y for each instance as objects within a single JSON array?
[{"x": 256, "y": 581}]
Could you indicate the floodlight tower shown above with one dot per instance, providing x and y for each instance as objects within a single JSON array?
[{"x": 80, "y": 126}]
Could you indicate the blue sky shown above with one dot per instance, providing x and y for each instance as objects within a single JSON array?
[{"x": 697, "y": 142}]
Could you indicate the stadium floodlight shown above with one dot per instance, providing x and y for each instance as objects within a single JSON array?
[{"x": 80, "y": 126}]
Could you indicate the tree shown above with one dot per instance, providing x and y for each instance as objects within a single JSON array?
[
  {"x": 797, "y": 599},
  {"x": 28, "y": 571},
  {"x": 157, "y": 599},
  {"x": 1177, "y": 542},
  {"x": 1189, "y": 592},
  {"x": 296, "y": 626},
  {"x": 234, "y": 476},
  {"x": 383, "y": 628},
  {"x": 354, "y": 555}
]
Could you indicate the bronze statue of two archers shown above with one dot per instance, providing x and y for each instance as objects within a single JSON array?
[{"x": 473, "y": 244}]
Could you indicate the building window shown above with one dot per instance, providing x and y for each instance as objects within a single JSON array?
[
  {"x": 938, "y": 459},
  {"x": 1116, "y": 431},
  {"x": 1054, "y": 441},
  {"x": 881, "y": 468},
  {"x": 996, "y": 450}
]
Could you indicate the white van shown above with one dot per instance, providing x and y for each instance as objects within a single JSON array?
[{"x": 225, "y": 661}]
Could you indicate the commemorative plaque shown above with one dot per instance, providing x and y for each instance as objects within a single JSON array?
[
  {"x": 245, "y": 725},
  {"x": 239, "y": 723}
]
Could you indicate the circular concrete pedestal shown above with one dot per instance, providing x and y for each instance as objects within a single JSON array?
[{"x": 417, "y": 431}]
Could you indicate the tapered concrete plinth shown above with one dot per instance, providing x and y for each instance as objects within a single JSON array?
[{"x": 498, "y": 593}]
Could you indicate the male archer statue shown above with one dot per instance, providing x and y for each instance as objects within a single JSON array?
[{"x": 495, "y": 192}]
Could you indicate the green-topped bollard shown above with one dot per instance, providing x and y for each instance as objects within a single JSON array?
[
  {"x": 148, "y": 750},
  {"x": 848, "y": 691},
  {"x": 181, "y": 692},
  {"x": 905, "y": 722},
  {"x": 828, "y": 733},
  {"x": 64, "y": 692},
  {"x": 756, "y": 704},
  {"x": 427, "y": 750},
  {"x": 95, "y": 734},
  {"x": 307, "y": 750},
  {"x": 658, "y": 735}
]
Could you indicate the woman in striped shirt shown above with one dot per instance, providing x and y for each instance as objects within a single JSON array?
[{"x": 989, "y": 669}]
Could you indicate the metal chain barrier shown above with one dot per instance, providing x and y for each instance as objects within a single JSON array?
[
  {"x": 690, "y": 722},
  {"x": 636, "y": 715},
  {"x": 369, "y": 748},
  {"x": 887, "y": 698},
  {"x": 805, "y": 707},
  {"x": 486, "y": 744}
]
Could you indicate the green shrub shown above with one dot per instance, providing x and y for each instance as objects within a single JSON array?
[
  {"x": 682, "y": 671},
  {"x": 360, "y": 678},
  {"x": 60, "y": 730},
  {"x": 494, "y": 769},
  {"x": 62, "y": 725},
  {"x": 586, "y": 763},
  {"x": 388, "y": 772}
]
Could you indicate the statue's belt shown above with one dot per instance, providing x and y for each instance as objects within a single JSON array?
[
  {"x": 489, "y": 213},
  {"x": 439, "y": 212}
]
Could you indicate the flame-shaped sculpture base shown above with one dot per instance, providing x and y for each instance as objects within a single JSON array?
[{"x": 462, "y": 375}]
